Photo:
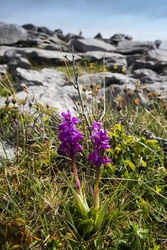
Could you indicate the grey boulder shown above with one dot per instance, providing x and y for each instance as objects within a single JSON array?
[
  {"x": 110, "y": 59},
  {"x": 134, "y": 47},
  {"x": 7, "y": 151},
  {"x": 48, "y": 87},
  {"x": 11, "y": 34},
  {"x": 91, "y": 44},
  {"x": 147, "y": 76},
  {"x": 106, "y": 78}
]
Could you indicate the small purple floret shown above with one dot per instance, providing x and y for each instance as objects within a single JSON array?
[
  {"x": 101, "y": 144},
  {"x": 69, "y": 135}
]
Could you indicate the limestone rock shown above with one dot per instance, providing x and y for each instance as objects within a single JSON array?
[
  {"x": 60, "y": 34},
  {"x": 98, "y": 36},
  {"x": 157, "y": 43},
  {"x": 116, "y": 38},
  {"x": 143, "y": 63},
  {"x": 54, "y": 43},
  {"x": 40, "y": 36},
  {"x": 72, "y": 36},
  {"x": 55, "y": 58},
  {"x": 41, "y": 47},
  {"x": 106, "y": 78},
  {"x": 11, "y": 34},
  {"x": 45, "y": 30},
  {"x": 159, "y": 87},
  {"x": 118, "y": 79},
  {"x": 30, "y": 26},
  {"x": 16, "y": 58},
  {"x": 147, "y": 76},
  {"x": 110, "y": 58},
  {"x": 116, "y": 60},
  {"x": 3, "y": 69},
  {"x": 38, "y": 56},
  {"x": 48, "y": 87},
  {"x": 134, "y": 47},
  {"x": 3, "y": 50},
  {"x": 7, "y": 151},
  {"x": 153, "y": 59},
  {"x": 91, "y": 44},
  {"x": 159, "y": 56}
]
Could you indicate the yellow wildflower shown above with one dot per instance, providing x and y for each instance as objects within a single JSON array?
[
  {"x": 104, "y": 69},
  {"x": 91, "y": 65}
]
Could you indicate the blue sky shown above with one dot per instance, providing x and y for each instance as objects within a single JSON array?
[{"x": 143, "y": 19}]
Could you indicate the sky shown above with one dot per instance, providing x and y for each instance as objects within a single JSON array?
[{"x": 144, "y": 20}]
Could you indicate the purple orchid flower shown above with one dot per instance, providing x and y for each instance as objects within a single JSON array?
[
  {"x": 101, "y": 144},
  {"x": 69, "y": 135}
]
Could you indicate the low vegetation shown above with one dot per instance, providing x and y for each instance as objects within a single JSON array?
[{"x": 105, "y": 188}]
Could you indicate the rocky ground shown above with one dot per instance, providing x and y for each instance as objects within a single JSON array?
[
  {"x": 22, "y": 47},
  {"x": 32, "y": 55}
]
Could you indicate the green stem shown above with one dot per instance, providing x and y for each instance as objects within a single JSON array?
[
  {"x": 96, "y": 189},
  {"x": 77, "y": 181}
]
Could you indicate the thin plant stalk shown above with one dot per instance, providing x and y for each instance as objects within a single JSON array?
[
  {"x": 96, "y": 189},
  {"x": 76, "y": 86},
  {"x": 77, "y": 181}
]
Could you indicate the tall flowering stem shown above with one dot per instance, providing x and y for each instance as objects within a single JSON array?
[
  {"x": 101, "y": 144},
  {"x": 70, "y": 137},
  {"x": 77, "y": 181}
]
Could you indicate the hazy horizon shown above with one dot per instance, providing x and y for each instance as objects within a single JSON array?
[{"x": 143, "y": 20}]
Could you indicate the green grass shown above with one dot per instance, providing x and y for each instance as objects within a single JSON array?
[
  {"x": 6, "y": 85},
  {"x": 38, "y": 208},
  {"x": 85, "y": 65}
]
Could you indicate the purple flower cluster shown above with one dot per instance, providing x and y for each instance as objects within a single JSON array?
[
  {"x": 69, "y": 135},
  {"x": 101, "y": 144}
]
